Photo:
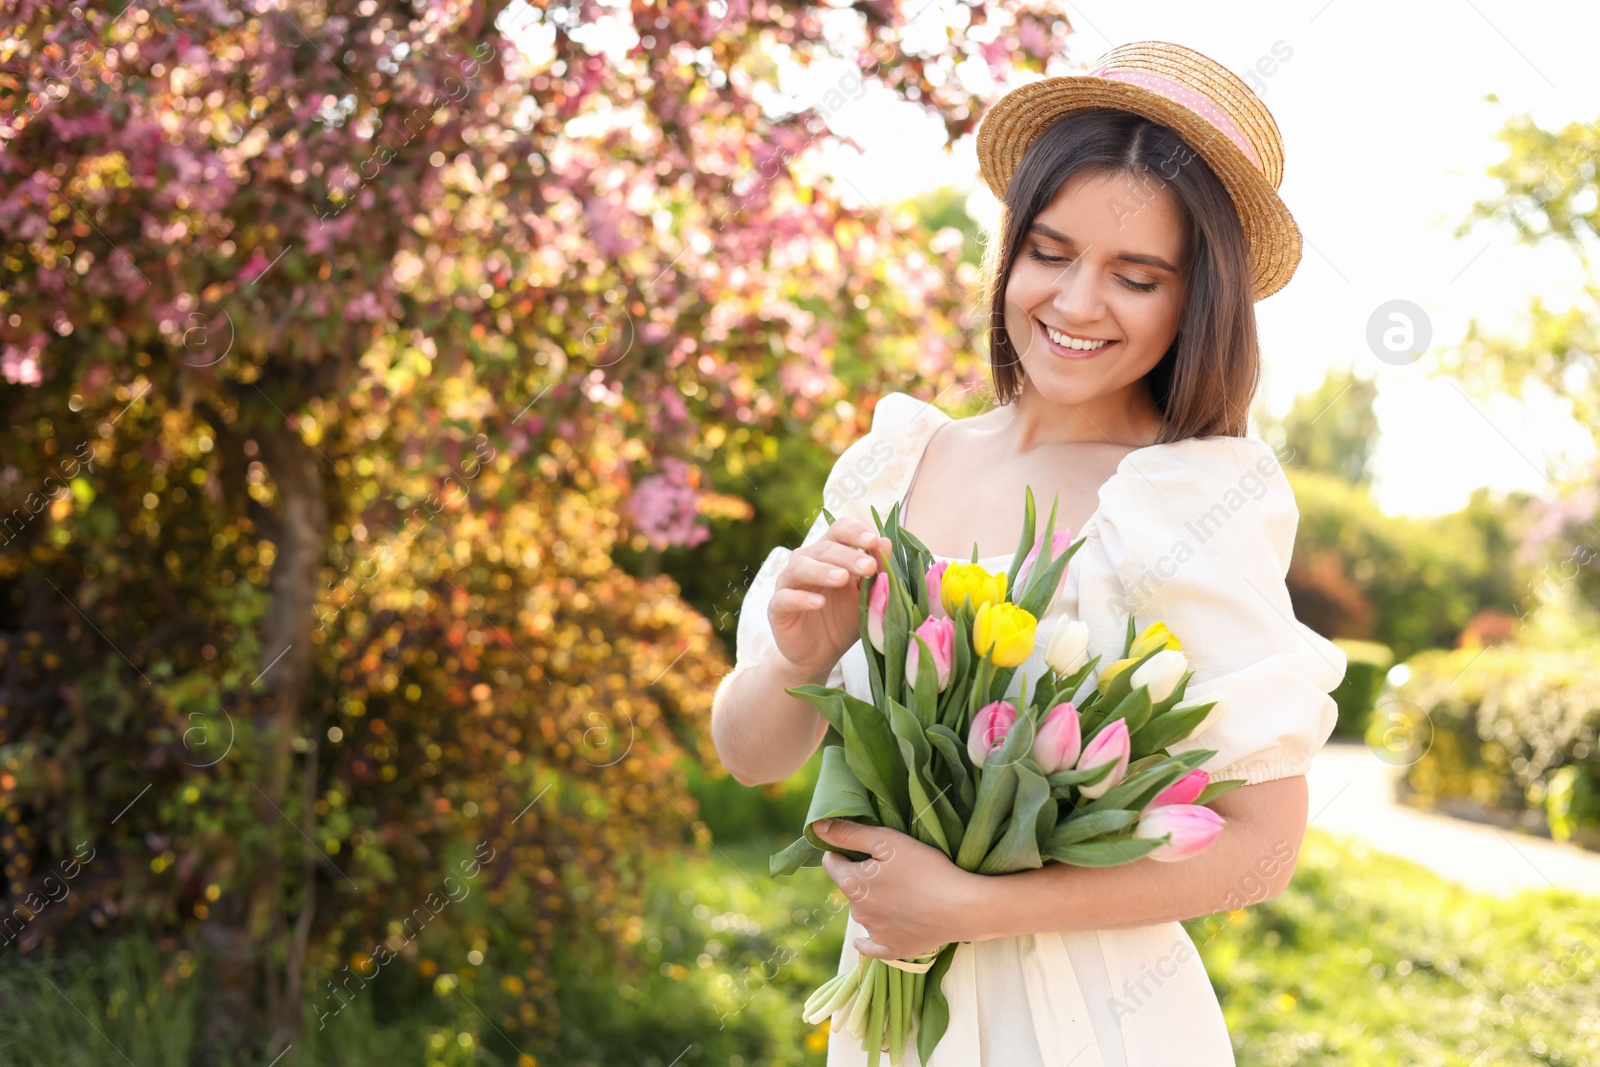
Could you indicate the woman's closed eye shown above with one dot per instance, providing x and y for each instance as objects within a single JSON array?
[{"x": 1142, "y": 287}]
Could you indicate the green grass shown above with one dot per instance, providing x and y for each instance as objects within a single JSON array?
[
  {"x": 1365, "y": 960},
  {"x": 1369, "y": 959}
]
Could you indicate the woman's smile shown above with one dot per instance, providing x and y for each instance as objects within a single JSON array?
[{"x": 1058, "y": 348}]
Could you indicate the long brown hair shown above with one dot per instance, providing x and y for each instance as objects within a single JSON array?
[{"x": 1206, "y": 380}]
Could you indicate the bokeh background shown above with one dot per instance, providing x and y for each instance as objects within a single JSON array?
[{"x": 400, "y": 396}]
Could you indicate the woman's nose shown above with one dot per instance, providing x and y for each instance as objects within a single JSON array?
[{"x": 1077, "y": 298}]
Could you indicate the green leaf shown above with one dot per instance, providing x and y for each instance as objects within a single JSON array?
[
  {"x": 1215, "y": 789},
  {"x": 874, "y": 755},
  {"x": 1030, "y": 515},
  {"x": 935, "y": 1017},
  {"x": 917, "y": 753},
  {"x": 925, "y": 690},
  {"x": 996, "y": 790},
  {"x": 1134, "y": 710},
  {"x": 1083, "y": 827},
  {"x": 1062, "y": 780},
  {"x": 952, "y": 752},
  {"x": 896, "y": 621},
  {"x": 1018, "y": 847},
  {"x": 1137, "y": 765},
  {"x": 1163, "y": 730},
  {"x": 799, "y": 854},
  {"x": 977, "y": 699},
  {"x": 830, "y": 702},
  {"x": 1067, "y": 688},
  {"x": 1112, "y": 853},
  {"x": 839, "y": 794}
]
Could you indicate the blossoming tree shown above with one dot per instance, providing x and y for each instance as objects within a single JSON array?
[{"x": 345, "y": 342}]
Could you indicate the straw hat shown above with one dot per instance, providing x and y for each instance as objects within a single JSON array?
[{"x": 1198, "y": 98}]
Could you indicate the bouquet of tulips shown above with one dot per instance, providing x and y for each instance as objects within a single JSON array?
[{"x": 998, "y": 785}]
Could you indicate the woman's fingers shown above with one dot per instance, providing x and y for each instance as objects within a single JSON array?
[
  {"x": 807, "y": 571},
  {"x": 851, "y": 532},
  {"x": 855, "y": 560},
  {"x": 796, "y": 600}
]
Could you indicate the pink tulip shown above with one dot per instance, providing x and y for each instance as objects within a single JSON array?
[
  {"x": 1183, "y": 791},
  {"x": 989, "y": 729},
  {"x": 1059, "y": 543},
  {"x": 940, "y": 634},
  {"x": 1109, "y": 745},
  {"x": 1059, "y": 740},
  {"x": 935, "y": 580},
  {"x": 877, "y": 609},
  {"x": 1193, "y": 827}
]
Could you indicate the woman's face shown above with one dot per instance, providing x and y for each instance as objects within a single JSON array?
[{"x": 1104, "y": 261}]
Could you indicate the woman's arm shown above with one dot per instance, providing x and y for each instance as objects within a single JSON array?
[
  {"x": 761, "y": 733},
  {"x": 1250, "y": 862}
]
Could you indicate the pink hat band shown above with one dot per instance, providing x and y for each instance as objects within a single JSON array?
[{"x": 1179, "y": 93}]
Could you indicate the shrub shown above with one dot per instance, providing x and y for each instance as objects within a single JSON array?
[
  {"x": 1423, "y": 580},
  {"x": 736, "y": 813},
  {"x": 1510, "y": 728}
]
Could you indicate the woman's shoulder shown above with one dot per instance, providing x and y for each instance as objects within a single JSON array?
[
  {"x": 1198, "y": 488},
  {"x": 1217, "y": 457},
  {"x": 1198, "y": 467},
  {"x": 874, "y": 471},
  {"x": 903, "y": 417}
]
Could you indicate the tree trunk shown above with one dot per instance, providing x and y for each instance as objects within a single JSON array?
[{"x": 236, "y": 940}]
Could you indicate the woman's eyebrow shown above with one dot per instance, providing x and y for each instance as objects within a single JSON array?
[{"x": 1125, "y": 256}]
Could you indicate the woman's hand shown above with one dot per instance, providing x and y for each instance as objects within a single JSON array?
[
  {"x": 815, "y": 612},
  {"x": 910, "y": 896}
]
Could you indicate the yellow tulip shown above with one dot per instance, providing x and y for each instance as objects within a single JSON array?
[
  {"x": 1113, "y": 669},
  {"x": 1005, "y": 633},
  {"x": 963, "y": 580},
  {"x": 1153, "y": 637}
]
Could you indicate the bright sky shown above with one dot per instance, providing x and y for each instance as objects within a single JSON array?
[{"x": 1386, "y": 138}]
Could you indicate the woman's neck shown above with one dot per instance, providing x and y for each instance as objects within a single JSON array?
[{"x": 1128, "y": 417}]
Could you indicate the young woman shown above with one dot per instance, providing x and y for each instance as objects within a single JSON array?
[{"x": 1140, "y": 224}]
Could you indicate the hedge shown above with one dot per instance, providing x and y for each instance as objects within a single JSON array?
[{"x": 1510, "y": 729}]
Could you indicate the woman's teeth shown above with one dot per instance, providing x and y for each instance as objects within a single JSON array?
[{"x": 1072, "y": 342}]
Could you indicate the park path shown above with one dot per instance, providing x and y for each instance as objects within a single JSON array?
[{"x": 1351, "y": 794}]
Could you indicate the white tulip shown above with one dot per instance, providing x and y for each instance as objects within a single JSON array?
[
  {"x": 1161, "y": 673},
  {"x": 1068, "y": 646}
]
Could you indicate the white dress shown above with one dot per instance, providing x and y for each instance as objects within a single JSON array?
[{"x": 1195, "y": 532}]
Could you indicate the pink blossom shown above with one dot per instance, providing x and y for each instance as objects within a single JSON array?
[
  {"x": 877, "y": 609},
  {"x": 1183, "y": 791},
  {"x": 21, "y": 365},
  {"x": 1110, "y": 745},
  {"x": 940, "y": 635},
  {"x": 989, "y": 729},
  {"x": 1193, "y": 827},
  {"x": 935, "y": 583},
  {"x": 1059, "y": 741},
  {"x": 664, "y": 507}
]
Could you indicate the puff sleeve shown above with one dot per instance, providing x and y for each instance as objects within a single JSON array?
[
  {"x": 871, "y": 473},
  {"x": 1199, "y": 533}
]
